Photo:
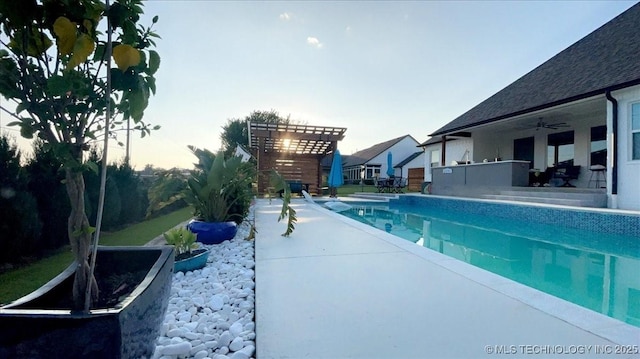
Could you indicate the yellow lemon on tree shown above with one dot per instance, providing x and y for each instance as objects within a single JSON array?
[
  {"x": 82, "y": 48},
  {"x": 65, "y": 31},
  {"x": 125, "y": 56}
]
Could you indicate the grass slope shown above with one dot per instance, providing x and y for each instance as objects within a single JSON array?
[{"x": 19, "y": 282}]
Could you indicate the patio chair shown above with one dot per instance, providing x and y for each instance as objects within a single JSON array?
[
  {"x": 398, "y": 184},
  {"x": 380, "y": 184},
  {"x": 567, "y": 173}
]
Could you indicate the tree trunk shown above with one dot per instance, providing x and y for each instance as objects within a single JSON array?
[{"x": 80, "y": 238}]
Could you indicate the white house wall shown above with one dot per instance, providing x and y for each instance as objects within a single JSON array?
[
  {"x": 400, "y": 151},
  {"x": 455, "y": 152},
  {"x": 628, "y": 170},
  {"x": 488, "y": 145},
  {"x": 426, "y": 159},
  {"x": 417, "y": 162}
]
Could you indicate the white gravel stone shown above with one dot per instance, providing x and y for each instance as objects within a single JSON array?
[
  {"x": 235, "y": 329},
  {"x": 216, "y": 302},
  {"x": 177, "y": 349},
  {"x": 225, "y": 339},
  {"x": 236, "y": 344},
  {"x": 239, "y": 355},
  {"x": 211, "y": 311}
]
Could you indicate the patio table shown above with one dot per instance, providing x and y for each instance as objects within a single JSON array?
[{"x": 387, "y": 184}]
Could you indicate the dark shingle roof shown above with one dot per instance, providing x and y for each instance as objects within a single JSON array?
[
  {"x": 367, "y": 154},
  {"x": 328, "y": 159},
  {"x": 408, "y": 159},
  {"x": 606, "y": 59}
]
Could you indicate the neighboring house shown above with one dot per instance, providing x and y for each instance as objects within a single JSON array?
[
  {"x": 412, "y": 168},
  {"x": 373, "y": 160},
  {"x": 581, "y": 108}
]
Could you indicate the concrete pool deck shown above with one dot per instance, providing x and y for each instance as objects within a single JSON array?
[{"x": 337, "y": 288}]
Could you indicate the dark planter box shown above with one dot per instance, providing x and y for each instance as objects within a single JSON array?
[{"x": 31, "y": 328}]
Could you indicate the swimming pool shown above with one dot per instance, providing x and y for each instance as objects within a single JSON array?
[{"x": 596, "y": 269}]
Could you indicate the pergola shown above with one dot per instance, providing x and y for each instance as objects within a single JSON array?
[{"x": 295, "y": 151}]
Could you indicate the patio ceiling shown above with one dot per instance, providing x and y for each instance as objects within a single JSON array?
[
  {"x": 296, "y": 139},
  {"x": 568, "y": 113}
]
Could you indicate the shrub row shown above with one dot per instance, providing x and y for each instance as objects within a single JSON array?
[{"x": 34, "y": 206}]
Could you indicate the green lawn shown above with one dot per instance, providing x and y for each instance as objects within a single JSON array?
[
  {"x": 353, "y": 188},
  {"x": 16, "y": 283}
]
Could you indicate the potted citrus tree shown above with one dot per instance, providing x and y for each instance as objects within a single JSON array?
[
  {"x": 55, "y": 68},
  {"x": 219, "y": 190}
]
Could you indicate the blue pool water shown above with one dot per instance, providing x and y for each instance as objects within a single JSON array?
[{"x": 599, "y": 271}]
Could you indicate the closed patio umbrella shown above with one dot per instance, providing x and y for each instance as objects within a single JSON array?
[
  {"x": 390, "y": 170},
  {"x": 335, "y": 174}
]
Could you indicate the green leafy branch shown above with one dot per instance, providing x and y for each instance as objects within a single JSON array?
[
  {"x": 183, "y": 239},
  {"x": 277, "y": 181}
]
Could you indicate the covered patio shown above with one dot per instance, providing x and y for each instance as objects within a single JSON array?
[
  {"x": 577, "y": 112},
  {"x": 295, "y": 151}
]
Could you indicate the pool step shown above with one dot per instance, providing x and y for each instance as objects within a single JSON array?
[
  {"x": 569, "y": 197},
  {"x": 375, "y": 196},
  {"x": 558, "y": 201}
]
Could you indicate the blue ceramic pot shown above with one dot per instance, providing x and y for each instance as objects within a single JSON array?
[
  {"x": 213, "y": 232},
  {"x": 192, "y": 263}
]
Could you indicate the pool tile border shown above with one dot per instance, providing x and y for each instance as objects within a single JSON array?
[{"x": 597, "y": 220}]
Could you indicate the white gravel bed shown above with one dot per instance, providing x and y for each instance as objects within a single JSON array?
[{"x": 211, "y": 311}]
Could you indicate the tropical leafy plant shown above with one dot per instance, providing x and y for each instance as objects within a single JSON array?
[
  {"x": 219, "y": 189},
  {"x": 54, "y": 61},
  {"x": 278, "y": 182},
  {"x": 183, "y": 239},
  {"x": 167, "y": 192}
]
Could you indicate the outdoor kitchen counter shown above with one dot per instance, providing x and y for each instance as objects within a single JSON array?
[{"x": 483, "y": 174}]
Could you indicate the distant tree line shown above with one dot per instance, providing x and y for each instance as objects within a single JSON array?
[{"x": 34, "y": 206}]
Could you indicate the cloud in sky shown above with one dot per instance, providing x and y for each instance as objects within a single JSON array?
[
  {"x": 285, "y": 16},
  {"x": 313, "y": 41}
]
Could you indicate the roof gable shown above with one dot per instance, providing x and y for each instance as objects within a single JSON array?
[
  {"x": 364, "y": 156},
  {"x": 606, "y": 59},
  {"x": 408, "y": 159}
]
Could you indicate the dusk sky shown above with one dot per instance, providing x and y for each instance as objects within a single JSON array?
[{"x": 382, "y": 69}]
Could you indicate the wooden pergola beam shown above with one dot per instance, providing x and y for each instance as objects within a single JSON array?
[{"x": 302, "y": 146}]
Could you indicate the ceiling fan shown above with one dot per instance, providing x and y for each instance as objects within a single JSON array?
[{"x": 551, "y": 126}]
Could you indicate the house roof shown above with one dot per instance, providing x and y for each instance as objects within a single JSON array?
[
  {"x": 366, "y": 155},
  {"x": 328, "y": 159},
  {"x": 604, "y": 60},
  {"x": 408, "y": 159}
]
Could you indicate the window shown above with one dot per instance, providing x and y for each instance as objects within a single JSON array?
[
  {"x": 435, "y": 158},
  {"x": 560, "y": 149},
  {"x": 372, "y": 171},
  {"x": 635, "y": 131},
  {"x": 599, "y": 145},
  {"x": 524, "y": 149}
]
